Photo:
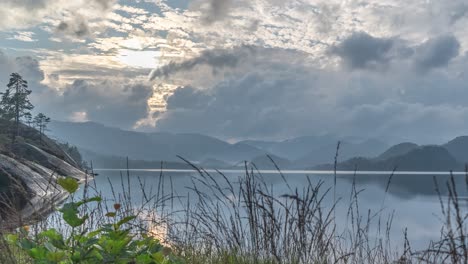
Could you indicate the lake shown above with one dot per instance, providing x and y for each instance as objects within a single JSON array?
[{"x": 406, "y": 199}]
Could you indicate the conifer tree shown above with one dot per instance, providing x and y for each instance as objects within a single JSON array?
[
  {"x": 41, "y": 121},
  {"x": 15, "y": 103}
]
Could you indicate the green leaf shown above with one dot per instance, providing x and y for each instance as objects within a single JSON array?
[
  {"x": 69, "y": 184},
  {"x": 38, "y": 253},
  {"x": 26, "y": 244},
  {"x": 56, "y": 257},
  {"x": 110, "y": 214},
  {"x": 55, "y": 238},
  {"x": 70, "y": 215},
  {"x": 70, "y": 212},
  {"x": 12, "y": 239},
  {"x": 92, "y": 199}
]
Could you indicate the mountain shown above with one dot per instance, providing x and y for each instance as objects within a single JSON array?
[
  {"x": 398, "y": 150},
  {"x": 260, "y": 144},
  {"x": 100, "y": 161},
  {"x": 262, "y": 162},
  {"x": 293, "y": 148},
  {"x": 108, "y": 141},
  {"x": 326, "y": 154},
  {"x": 425, "y": 158},
  {"x": 458, "y": 147},
  {"x": 236, "y": 153},
  {"x": 215, "y": 164}
]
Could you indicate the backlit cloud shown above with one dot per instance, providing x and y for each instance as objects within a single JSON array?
[{"x": 238, "y": 68}]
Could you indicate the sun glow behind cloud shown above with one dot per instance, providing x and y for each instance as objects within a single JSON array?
[
  {"x": 140, "y": 59},
  {"x": 113, "y": 45}
]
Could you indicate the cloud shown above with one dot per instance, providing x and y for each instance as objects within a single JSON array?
[
  {"x": 119, "y": 101},
  {"x": 77, "y": 27},
  {"x": 25, "y": 36},
  {"x": 217, "y": 59},
  {"x": 105, "y": 4},
  {"x": 215, "y": 10},
  {"x": 188, "y": 98},
  {"x": 27, "y": 66},
  {"x": 29, "y": 3},
  {"x": 436, "y": 52},
  {"x": 111, "y": 102},
  {"x": 68, "y": 16},
  {"x": 361, "y": 50},
  {"x": 262, "y": 103},
  {"x": 278, "y": 98}
]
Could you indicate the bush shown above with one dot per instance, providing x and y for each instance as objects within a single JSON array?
[{"x": 113, "y": 242}]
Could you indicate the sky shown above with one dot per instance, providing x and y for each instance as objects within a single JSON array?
[{"x": 236, "y": 69}]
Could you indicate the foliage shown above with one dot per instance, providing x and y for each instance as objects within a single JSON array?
[
  {"x": 74, "y": 153},
  {"x": 15, "y": 103},
  {"x": 113, "y": 242},
  {"x": 28, "y": 119},
  {"x": 41, "y": 121}
]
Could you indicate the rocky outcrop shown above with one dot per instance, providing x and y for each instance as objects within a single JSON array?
[{"x": 33, "y": 174}]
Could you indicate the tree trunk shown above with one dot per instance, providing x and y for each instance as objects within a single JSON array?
[{"x": 17, "y": 109}]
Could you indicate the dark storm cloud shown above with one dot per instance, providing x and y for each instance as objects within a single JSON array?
[
  {"x": 109, "y": 102},
  {"x": 187, "y": 98},
  {"x": 217, "y": 59},
  {"x": 361, "y": 50},
  {"x": 282, "y": 98},
  {"x": 436, "y": 52},
  {"x": 250, "y": 105}
]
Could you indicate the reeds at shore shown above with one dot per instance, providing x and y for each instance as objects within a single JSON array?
[{"x": 243, "y": 220}]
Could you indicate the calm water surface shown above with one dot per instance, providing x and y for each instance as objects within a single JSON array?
[{"x": 410, "y": 197}]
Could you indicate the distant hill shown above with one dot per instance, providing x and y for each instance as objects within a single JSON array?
[
  {"x": 100, "y": 161},
  {"x": 458, "y": 147},
  {"x": 294, "y": 148},
  {"x": 264, "y": 145},
  {"x": 326, "y": 154},
  {"x": 398, "y": 150},
  {"x": 425, "y": 158},
  {"x": 237, "y": 152},
  {"x": 109, "y": 141},
  {"x": 215, "y": 164},
  {"x": 262, "y": 162}
]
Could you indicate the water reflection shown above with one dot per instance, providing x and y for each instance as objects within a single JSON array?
[{"x": 410, "y": 198}]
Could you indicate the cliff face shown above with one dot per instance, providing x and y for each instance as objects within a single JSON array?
[{"x": 29, "y": 169}]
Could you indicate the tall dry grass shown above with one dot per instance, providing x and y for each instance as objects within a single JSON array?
[{"x": 243, "y": 220}]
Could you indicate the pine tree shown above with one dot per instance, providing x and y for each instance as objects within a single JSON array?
[
  {"x": 28, "y": 119},
  {"x": 15, "y": 103},
  {"x": 41, "y": 121}
]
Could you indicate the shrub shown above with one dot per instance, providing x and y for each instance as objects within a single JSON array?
[{"x": 113, "y": 242}]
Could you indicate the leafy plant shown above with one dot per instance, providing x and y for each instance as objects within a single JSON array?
[{"x": 113, "y": 242}]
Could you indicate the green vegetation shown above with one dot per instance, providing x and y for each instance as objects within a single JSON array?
[
  {"x": 15, "y": 107},
  {"x": 15, "y": 103},
  {"x": 114, "y": 241},
  {"x": 255, "y": 226}
]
